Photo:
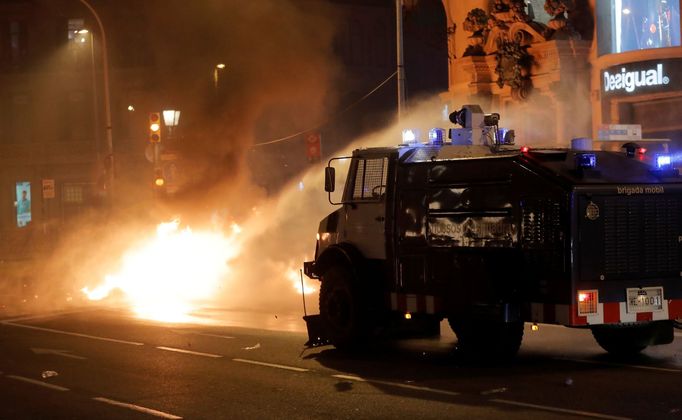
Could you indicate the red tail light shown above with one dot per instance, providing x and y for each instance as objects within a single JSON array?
[{"x": 588, "y": 301}]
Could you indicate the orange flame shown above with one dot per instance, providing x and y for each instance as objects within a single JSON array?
[
  {"x": 168, "y": 276},
  {"x": 294, "y": 277}
]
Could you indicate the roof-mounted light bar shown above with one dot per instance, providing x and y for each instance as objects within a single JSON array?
[
  {"x": 436, "y": 136},
  {"x": 410, "y": 136},
  {"x": 585, "y": 161},
  {"x": 664, "y": 162}
]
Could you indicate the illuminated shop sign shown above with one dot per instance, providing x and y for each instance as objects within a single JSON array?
[
  {"x": 642, "y": 77},
  {"x": 630, "y": 80}
]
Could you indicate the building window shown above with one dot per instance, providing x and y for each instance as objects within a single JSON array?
[
  {"x": 73, "y": 193},
  {"x": 20, "y": 118},
  {"x": 79, "y": 116},
  {"x": 13, "y": 40},
  {"x": 74, "y": 27},
  {"x": 629, "y": 25}
]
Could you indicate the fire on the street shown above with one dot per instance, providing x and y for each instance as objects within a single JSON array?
[
  {"x": 167, "y": 277},
  {"x": 295, "y": 277},
  {"x": 173, "y": 275}
]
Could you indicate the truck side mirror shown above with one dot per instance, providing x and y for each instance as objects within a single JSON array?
[{"x": 329, "y": 179}]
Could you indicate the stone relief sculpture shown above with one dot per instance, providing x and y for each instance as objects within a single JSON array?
[
  {"x": 560, "y": 26},
  {"x": 477, "y": 23},
  {"x": 507, "y": 32},
  {"x": 513, "y": 68}
]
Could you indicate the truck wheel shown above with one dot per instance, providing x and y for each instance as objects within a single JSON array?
[
  {"x": 627, "y": 340},
  {"x": 497, "y": 340},
  {"x": 340, "y": 308}
]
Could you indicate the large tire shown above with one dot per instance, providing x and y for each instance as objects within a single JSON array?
[
  {"x": 341, "y": 309},
  {"x": 499, "y": 341},
  {"x": 631, "y": 339}
]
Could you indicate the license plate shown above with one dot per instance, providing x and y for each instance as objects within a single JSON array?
[{"x": 648, "y": 299}]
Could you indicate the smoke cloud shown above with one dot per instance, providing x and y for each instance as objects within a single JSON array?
[{"x": 277, "y": 57}]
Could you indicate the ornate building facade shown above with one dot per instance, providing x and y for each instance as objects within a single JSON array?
[
  {"x": 527, "y": 61},
  {"x": 561, "y": 69}
]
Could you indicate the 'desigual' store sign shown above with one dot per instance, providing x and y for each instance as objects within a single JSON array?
[{"x": 642, "y": 77}]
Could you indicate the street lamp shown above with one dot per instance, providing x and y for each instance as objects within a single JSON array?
[
  {"x": 400, "y": 65},
  {"x": 107, "y": 100},
  {"x": 166, "y": 164},
  {"x": 171, "y": 117},
  {"x": 83, "y": 33},
  {"x": 81, "y": 36},
  {"x": 216, "y": 73}
]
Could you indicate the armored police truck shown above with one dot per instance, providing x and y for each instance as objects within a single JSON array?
[{"x": 488, "y": 235}]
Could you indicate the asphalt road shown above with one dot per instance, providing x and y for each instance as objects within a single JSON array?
[{"x": 108, "y": 365}]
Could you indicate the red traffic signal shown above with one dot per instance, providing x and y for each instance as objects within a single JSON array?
[
  {"x": 154, "y": 127},
  {"x": 313, "y": 146}
]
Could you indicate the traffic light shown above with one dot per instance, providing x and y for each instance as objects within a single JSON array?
[
  {"x": 313, "y": 146},
  {"x": 154, "y": 127},
  {"x": 159, "y": 180}
]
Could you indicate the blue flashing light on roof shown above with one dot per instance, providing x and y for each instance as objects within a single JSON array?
[
  {"x": 436, "y": 136},
  {"x": 501, "y": 133},
  {"x": 506, "y": 136},
  {"x": 664, "y": 162},
  {"x": 585, "y": 160}
]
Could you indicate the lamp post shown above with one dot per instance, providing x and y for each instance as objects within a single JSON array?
[
  {"x": 171, "y": 118},
  {"x": 109, "y": 165},
  {"x": 400, "y": 64},
  {"x": 216, "y": 74},
  {"x": 81, "y": 36}
]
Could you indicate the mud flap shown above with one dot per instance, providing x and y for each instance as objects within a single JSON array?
[
  {"x": 663, "y": 333},
  {"x": 317, "y": 334}
]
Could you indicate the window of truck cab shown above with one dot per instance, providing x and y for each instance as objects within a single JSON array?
[{"x": 367, "y": 179}]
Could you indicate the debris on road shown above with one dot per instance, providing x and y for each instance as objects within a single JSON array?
[
  {"x": 494, "y": 391},
  {"x": 257, "y": 346}
]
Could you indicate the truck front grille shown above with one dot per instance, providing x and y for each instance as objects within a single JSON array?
[{"x": 640, "y": 235}]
